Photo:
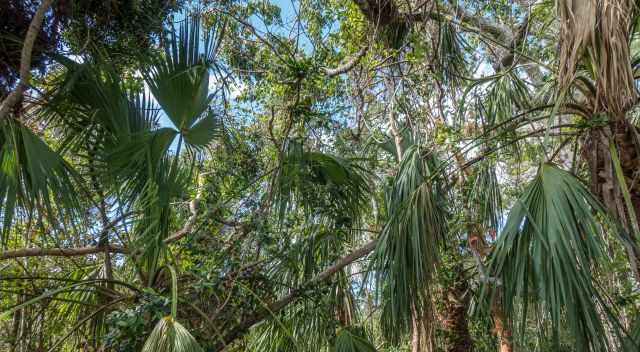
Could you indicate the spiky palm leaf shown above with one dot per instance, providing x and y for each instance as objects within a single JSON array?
[
  {"x": 632, "y": 341},
  {"x": 484, "y": 196},
  {"x": 451, "y": 51},
  {"x": 170, "y": 336},
  {"x": 407, "y": 252},
  {"x": 31, "y": 175},
  {"x": 179, "y": 80},
  {"x": 90, "y": 102},
  {"x": 547, "y": 253},
  {"x": 117, "y": 130}
]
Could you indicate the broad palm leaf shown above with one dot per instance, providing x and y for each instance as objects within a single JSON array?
[
  {"x": 170, "y": 336},
  {"x": 547, "y": 253},
  {"x": 31, "y": 176},
  {"x": 179, "y": 80},
  {"x": 353, "y": 340}
]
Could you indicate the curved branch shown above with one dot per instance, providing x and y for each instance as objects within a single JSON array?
[
  {"x": 347, "y": 66},
  {"x": 25, "y": 58}
]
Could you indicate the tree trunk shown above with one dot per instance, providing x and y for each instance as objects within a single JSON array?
[
  {"x": 456, "y": 302},
  {"x": 500, "y": 323},
  {"x": 478, "y": 247},
  {"x": 422, "y": 331},
  {"x": 604, "y": 184}
]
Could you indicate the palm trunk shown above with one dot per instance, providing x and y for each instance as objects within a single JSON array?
[
  {"x": 604, "y": 184},
  {"x": 500, "y": 323},
  {"x": 455, "y": 323},
  {"x": 422, "y": 331}
]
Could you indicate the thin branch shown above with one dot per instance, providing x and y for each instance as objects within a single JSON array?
[
  {"x": 25, "y": 59},
  {"x": 194, "y": 208}
]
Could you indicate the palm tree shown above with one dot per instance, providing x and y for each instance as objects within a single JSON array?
[
  {"x": 123, "y": 155},
  {"x": 108, "y": 162}
]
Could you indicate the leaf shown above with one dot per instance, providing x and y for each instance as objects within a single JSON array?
[
  {"x": 203, "y": 131},
  {"x": 179, "y": 79},
  {"x": 319, "y": 184},
  {"x": 170, "y": 336},
  {"x": 407, "y": 252},
  {"x": 353, "y": 340},
  {"x": 547, "y": 253},
  {"x": 31, "y": 175}
]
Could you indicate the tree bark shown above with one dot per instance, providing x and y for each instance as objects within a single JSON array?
[
  {"x": 422, "y": 331},
  {"x": 500, "y": 323},
  {"x": 595, "y": 149},
  {"x": 456, "y": 302}
]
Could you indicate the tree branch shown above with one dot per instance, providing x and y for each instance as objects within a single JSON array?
[
  {"x": 347, "y": 66},
  {"x": 80, "y": 251},
  {"x": 25, "y": 59},
  {"x": 194, "y": 208},
  {"x": 243, "y": 327},
  {"x": 60, "y": 252}
]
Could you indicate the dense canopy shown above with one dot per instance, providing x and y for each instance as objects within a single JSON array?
[{"x": 320, "y": 175}]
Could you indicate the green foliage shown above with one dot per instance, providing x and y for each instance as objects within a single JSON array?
[
  {"x": 170, "y": 336},
  {"x": 31, "y": 175},
  {"x": 129, "y": 328},
  {"x": 353, "y": 340},
  {"x": 407, "y": 253},
  {"x": 321, "y": 185},
  {"x": 550, "y": 245},
  {"x": 228, "y": 155}
]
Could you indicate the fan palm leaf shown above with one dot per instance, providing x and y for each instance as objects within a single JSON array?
[
  {"x": 179, "y": 80},
  {"x": 353, "y": 340},
  {"x": 31, "y": 175},
  {"x": 170, "y": 336},
  {"x": 316, "y": 181},
  {"x": 547, "y": 253}
]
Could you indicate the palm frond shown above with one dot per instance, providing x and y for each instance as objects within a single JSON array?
[
  {"x": 485, "y": 197},
  {"x": 407, "y": 252},
  {"x": 632, "y": 340},
  {"x": 204, "y": 131},
  {"x": 91, "y": 100},
  {"x": 451, "y": 61},
  {"x": 179, "y": 79},
  {"x": 132, "y": 164},
  {"x": 306, "y": 326},
  {"x": 598, "y": 33},
  {"x": 153, "y": 202},
  {"x": 316, "y": 182},
  {"x": 31, "y": 176},
  {"x": 353, "y": 340},
  {"x": 170, "y": 336},
  {"x": 551, "y": 244}
]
